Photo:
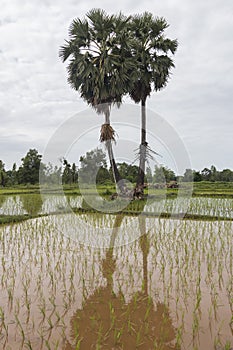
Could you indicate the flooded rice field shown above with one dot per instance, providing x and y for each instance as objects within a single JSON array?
[
  {"x": 155, "y": 284},
  {"x": 34, "y": 204}
]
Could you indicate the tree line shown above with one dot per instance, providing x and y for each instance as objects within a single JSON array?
[{"x": 93, "y": 168}]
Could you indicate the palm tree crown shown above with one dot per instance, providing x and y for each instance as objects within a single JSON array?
[
  {"x": 150, "y": 50},
  {"x": 99, "y": 67}
]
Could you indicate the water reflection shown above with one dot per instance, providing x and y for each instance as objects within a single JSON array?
[
  {"x": 32, "y": 203},
  {"x": 107, "y": 321},
  {"x": 2, "y": 200},
  {"x": 52, "y": 203},
  {"x": 12, "y": 205},
  {"x": 47, "y": 276}
]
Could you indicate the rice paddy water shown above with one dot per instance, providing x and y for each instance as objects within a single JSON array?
[{"x": 170, "y": 288}]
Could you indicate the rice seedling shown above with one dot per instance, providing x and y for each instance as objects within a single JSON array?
[{"x": 184, "y": 267}]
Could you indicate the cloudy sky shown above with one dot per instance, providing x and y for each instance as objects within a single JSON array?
[{"x": 35, "y": 98}]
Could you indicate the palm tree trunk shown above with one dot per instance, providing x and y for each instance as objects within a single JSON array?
[
  {"x": 142, "y": 153},
  {"x": 108, "y": 143},
  {"x": 116, "y": 174}
]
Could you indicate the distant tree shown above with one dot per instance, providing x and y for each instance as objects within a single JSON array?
[
  {"x": 206, "y": 174},
  {"x": 169, "y": 174},
  {"x": 188, "y": 175},
  {"x": 2, "y": 174},
  {"x": 67, "y": 175},
  {"x": 29, "y": 170},
  {"x": 158, "y": 176},
  {"x": 163, "y": 174},
  {"x": 214, "y": 173},
  {"x": 197, "y": 176},
  {"x": 128, "y": 171},
  {"x": 93, "y": 167},
  {"x": 149, "y": 176},
  {"x": 102, "y": 175},
  {"x": 226, "y": 175},
  {"x": 12, "y": 176},
  {"x": 74, "y": 173},
  {"x": 51, "y": 174}
]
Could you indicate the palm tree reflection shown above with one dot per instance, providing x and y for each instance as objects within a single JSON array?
[{"x": 108, "y": 322}]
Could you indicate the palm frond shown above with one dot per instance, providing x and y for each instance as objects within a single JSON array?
[
  {"x": 65, "y": 51},
  {"x": 147, "y": 151},
  {"x": 150, "y": 49},
  {"x": 101, "y": 67}
]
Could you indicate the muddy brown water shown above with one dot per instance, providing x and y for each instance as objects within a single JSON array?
[{"x": 169, "y": 289}]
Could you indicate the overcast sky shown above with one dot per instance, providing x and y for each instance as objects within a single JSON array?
[{"x": 35, "y": 97}]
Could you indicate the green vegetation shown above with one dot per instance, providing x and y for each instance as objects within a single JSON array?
[
  {"x": 93, "y": 168},
  {"x": 207, "y": 203},
  {"x": 200, "y": 189},
  {"x": 213, "y": 189},
  {"x": 7, "y": 219},
  {"x": 204, "y": 188},
  {"x": 212, "y": 174}
]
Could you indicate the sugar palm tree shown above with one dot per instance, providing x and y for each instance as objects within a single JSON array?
[
  {"x": 151, "y": 52},
  {"x": 99, "y": 66}
]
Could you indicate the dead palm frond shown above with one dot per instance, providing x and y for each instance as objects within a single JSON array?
[
  {"x": 147, "y": 152},
  {"x": 107, "y": 133}
]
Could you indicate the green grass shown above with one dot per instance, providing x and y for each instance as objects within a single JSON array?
[
  {"x": 200, "y": 189},
  {"x": 204, "y": 188},
  {"x": 6, "y": 219}
]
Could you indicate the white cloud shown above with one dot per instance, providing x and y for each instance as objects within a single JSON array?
[{"x": 35, "y": 97}]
